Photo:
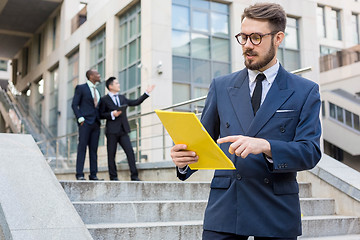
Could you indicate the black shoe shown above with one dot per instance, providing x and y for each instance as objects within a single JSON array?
[
  {"x": 135, "y": 179},
  {"x": 114, "y": 179},
  {"x": 95, "y": 179},
  {"x": 80, "y": 178}
]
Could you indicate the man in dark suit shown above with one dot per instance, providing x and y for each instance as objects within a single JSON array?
[
  {"x": 85, "y": 107},
  {"x": 268, "y": 124},
  {"x": 117, "y": 126}
]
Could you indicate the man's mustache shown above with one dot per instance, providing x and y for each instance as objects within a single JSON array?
[{"x": 250, "y": 52}]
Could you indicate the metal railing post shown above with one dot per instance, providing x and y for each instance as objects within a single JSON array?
[
  {"x": 68, "y": 148},
  {"x": 137, "y": 140},
  {"x": 57, "y": 153}
]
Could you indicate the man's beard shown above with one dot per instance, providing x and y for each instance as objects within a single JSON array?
[{"x": 262, "y": 63}]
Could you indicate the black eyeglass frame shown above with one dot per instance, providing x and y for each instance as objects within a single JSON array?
[{"x": 249, "y": 36}]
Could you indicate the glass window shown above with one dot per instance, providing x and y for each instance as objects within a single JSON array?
[
  {"x": 200, "y": 92},
  {"x": 181, "y": 68},
  {"x": 220, "y": 49},
  {"x": 335, "y": 24},
  {"x": 97, "y": 57},
  {"x": 72, "y": 81},
  {"x": 53, "y": 102},
  {"x": 320, "y": 11},
  {"x": 220, "y": 69},
  {"x": 356, "y": 122},
  {"x": 355, "y": 27},
  {"x": 130, "y": 55},
  {"x": 200, "y": 21},
  {"x": 289, "y": 50},
  {"x": 180, "y": 43},
  {"x": 201, "y": 71},
  {"x": 200, "y": 47},
  {"x": 339, "y": 114},
  {"x": 332, "y": 110},
  {"x": 219, "y": 7},
  {"x": 200, "y": 4},
  {"x": 348, "y": 119},
  {"x": 180, "y": 17},
  {"x": 182, "y": 92},
  {"x": 3, "y": 65},
  {"x": 219, "y": 25}
]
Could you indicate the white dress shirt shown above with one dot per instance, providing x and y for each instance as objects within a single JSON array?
[
  {"x": 270, "y": 75},
  {"x": 115, "y": 98},
  {"x": 91, "y": 86}
]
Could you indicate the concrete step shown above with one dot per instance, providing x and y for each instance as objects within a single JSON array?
[
  {"x": 149, "y": 230},
  {"x": 154, "y": 211},
  {"x": 140, "y": 191},
  {"x": 340, "y": 237},
  {"x": 320, "y": 226},
  {"x": 317, "y": 206},
  {"x": 140, "y": 211}
]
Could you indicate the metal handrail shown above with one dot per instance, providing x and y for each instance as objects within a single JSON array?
[{"x": 137, "y": 117}]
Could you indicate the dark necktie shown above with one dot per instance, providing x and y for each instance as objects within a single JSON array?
[
  {"x": 95, "y": 97},
  {"x": 256, "y": 97},
  {"x": 117, "y": 100}
]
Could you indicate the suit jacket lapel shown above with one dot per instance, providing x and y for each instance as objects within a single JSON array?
[
  {"x": 240, "y": 99},
  {"x": 276, "y": 96}
]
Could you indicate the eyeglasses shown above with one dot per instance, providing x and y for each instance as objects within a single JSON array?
[{"x": 255, "y": 38}]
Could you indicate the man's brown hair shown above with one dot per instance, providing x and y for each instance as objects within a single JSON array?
[{"x": 272, "y": 12}]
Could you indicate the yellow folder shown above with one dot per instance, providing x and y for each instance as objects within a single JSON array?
[{"x": 185, "y": 128}]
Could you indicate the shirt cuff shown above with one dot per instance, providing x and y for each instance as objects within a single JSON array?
[
  {"x": 183, "y": 170},
  {"x": 269, "y": 159},
  {"x": 81, "y": 119},
  {"x": 147, "y": 93},
  {"x": 112, "y": 116}
]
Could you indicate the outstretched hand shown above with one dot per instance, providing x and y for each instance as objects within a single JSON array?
[
  {"x": 149, "y": 89},
  {"x": 242, "y": 146}
]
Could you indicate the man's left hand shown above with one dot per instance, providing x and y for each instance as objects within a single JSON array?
[
  {"x": 150, "y": 88},
  {"x": 242, "y": 146}
]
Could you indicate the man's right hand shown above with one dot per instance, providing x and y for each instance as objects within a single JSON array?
[
  {"x": 116, "y": 113},
  {"x": 182, "y": 157}
]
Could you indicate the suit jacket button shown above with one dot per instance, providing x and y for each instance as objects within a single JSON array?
[
  {"x": 238, "y": 176},
  {"x": 282, "y": 129},
  {"x": 227, "y": 125},
  {"x": 266, "y": 180}
]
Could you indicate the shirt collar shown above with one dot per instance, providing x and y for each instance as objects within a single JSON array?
[
  {"x": 269, "y": 73},
  {"x": 112, "y": 94},
  {"x": 90, "y": 84}
]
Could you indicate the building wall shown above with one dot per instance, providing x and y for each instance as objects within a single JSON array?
[{"x": 156, "y": 51}]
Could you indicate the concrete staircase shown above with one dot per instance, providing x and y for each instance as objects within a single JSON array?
[{"x": 171, "y": 210}]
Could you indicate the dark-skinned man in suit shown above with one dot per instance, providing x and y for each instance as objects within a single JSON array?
[
  {"x": 266, "y": 121},
  {"x": 117, "y": 126},
  {"x": 86, "y": 110}
]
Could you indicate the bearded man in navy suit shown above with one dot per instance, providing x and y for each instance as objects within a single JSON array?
[
  {"x": 267, "y": 122},
  {"x": 86, "y": 110}
]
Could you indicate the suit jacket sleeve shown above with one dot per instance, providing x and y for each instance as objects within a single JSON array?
[
  {"x": 138, "y": 101},
  {"x": 304, "y": 151},
  {"x": 76, "y": 102},
  {"x": 104, "y": 110}
]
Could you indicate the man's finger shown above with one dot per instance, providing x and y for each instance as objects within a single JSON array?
[
  {"x": 178, "y": 147},
  {"x": 227, "y": 139}
]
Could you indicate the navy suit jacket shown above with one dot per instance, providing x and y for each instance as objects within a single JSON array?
[
  {"x": 83, "y": 104},
  {"x": 260, "y": 198},
  {"x": 120, "y": 124}
]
